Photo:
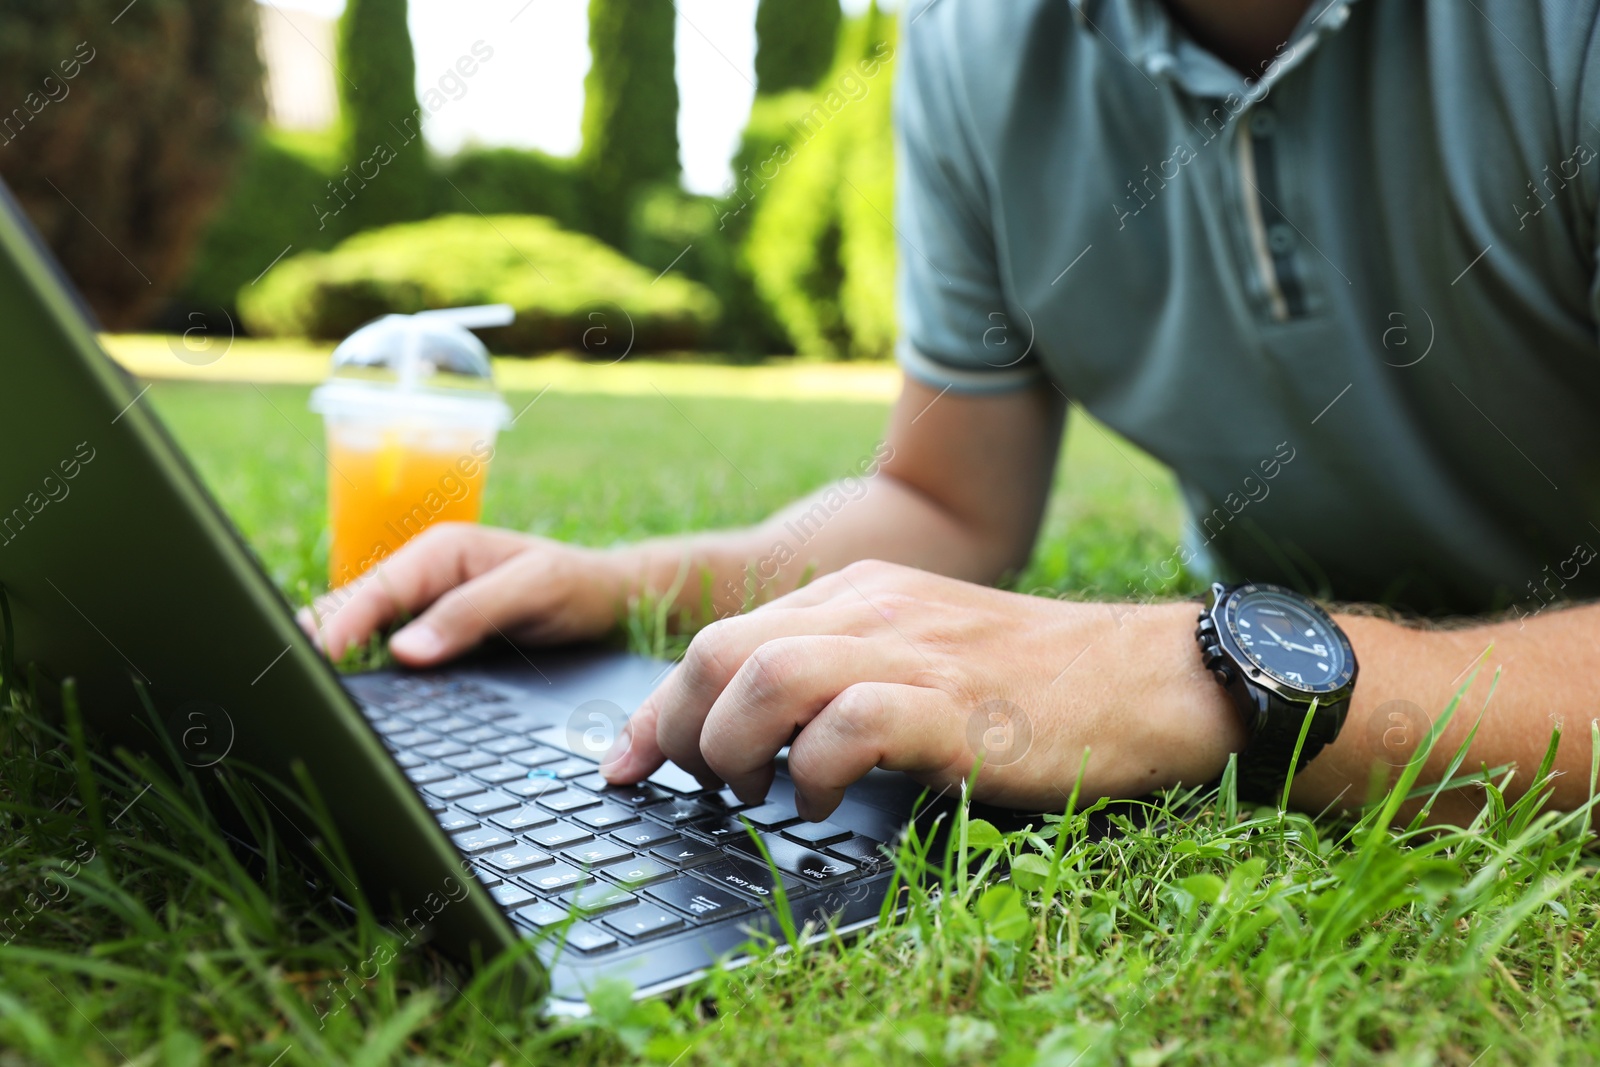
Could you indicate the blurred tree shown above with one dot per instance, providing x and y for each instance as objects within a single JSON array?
[
  {"x": 385, "y": 175},
  {"x": 630, "y": 107},
  {"x": 795, "y": 43},
  {"x": 120, "y": 128}
]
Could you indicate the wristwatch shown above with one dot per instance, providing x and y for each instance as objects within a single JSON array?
[{"x": 1276, "y": 652}]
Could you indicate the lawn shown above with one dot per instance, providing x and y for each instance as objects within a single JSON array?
[{"x": 1216, "y": 934}]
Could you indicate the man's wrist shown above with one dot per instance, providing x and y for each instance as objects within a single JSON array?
[{"x": 1190, "y": 723}]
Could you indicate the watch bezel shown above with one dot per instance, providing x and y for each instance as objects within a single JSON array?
[{"x": 1223, "y": 611}]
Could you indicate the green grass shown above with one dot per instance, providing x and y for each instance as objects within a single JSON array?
[{"x": 1201, "y": 933}]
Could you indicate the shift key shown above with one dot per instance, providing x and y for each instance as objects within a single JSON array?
[{"x": 810, "y": 866}]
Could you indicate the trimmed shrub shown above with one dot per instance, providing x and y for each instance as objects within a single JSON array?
[
  {"x": 121, "y": 140},
  {"x": 821, "y": 247},
  {"x": 630, "y": 107},
  {"x": 513, "y": 181},
  {"x": 385, "y": 175},
  {"x": 277, "y": 203},
  {"x": 796, "y": 41},
  {"x": 672, "y": 229},
  {"x": 569, "y": 290}
]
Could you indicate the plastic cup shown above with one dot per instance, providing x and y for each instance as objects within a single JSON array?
[{"x": 411, "y": 416}]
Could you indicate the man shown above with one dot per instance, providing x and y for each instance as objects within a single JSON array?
[{"x": 1334, "y": 264}]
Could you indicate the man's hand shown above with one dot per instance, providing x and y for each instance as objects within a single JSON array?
[
  {"x": 879, "y": 665},
  {"x": 469, "y": 583}
]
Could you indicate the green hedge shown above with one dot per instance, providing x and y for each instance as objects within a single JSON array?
[
  {"x": 513, "y": 181},
  {"x": 630, "y": 107},
  {"x": 278, "y": 203},
  {"x": 569, "y": 290},
  {"x": 385, "y": 172},
  {"x": 673, "y": 230},
  {"x": 815, "y": 183},
  {"x": 795, "y": 43},
  {"x": 120, "y": 141}
]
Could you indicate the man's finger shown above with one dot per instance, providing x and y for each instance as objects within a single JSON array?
[
  {"x": 874, "y": 724},
  {"x": 439, "y": 559},
  {"x": 713, "y": 658},
  {"x": 495, "y": 602},
  {"x": 781, "y": 687}
]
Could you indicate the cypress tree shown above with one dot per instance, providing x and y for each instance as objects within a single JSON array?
[
  {"x": 386, "y": 175},
  {"x": 630, "y": 107},
  {"x": 795, "y": 42}
]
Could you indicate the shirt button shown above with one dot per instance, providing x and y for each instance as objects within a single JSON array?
[
  {"x": 1263, "y": 123},
  {"x": 1280, "y": 237}
]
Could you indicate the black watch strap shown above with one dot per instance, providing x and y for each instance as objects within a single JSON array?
[{"x": 1263, "y": 766}]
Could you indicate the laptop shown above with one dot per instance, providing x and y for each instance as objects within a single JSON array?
[{"x": 467, "y": 801}]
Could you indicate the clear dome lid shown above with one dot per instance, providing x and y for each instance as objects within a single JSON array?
[{"x": 423, "y": 365}]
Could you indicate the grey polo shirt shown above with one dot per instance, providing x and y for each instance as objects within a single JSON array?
[{"x": 1352, "y": 302}]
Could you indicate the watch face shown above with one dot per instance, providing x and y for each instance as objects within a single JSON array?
[{"x": 1291, "y": 641}]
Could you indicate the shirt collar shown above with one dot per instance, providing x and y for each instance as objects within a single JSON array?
[{"x": 1144, "y": 33}]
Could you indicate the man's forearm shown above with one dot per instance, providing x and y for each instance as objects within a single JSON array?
[
  {"x": 879, "y": 517},
  {"x": 1408, "y": 677}
]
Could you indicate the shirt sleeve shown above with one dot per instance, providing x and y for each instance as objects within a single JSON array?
[{"x": 957, "y": 330}]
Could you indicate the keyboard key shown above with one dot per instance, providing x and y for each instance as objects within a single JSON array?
[
  {"x": 482, "y": 840},
  {"x": 516, "y": 859},
  {"x": 533, "y": 787},
  {"x": 639, "y": 871},
  {"x": 431, "y": 773},
  {"x": 524, "y": 818},
  {"x": 541, "y": 914},
  {"x": 499, "y": 772},
  {"x": 487, "y": 803},
  {"x": 569, "y": 768},
  {"x": 587, "y": 937},
  {"x": 508, "y": 895},
  {"x": 750, "y": 879},
  {"x": 675, "y": 779},
  {"x": 412, "y": 739},
  {"x": 596, "y": 898},
  {"x": 633, "y": 796},
  {"x": 644, "y": 920},
  {"x": 772, "y": 816},
  {"x": 795, "y": 859},
  {"x": 679, "y": 812},
  {"x": 407, "y": 760},
  {"x": 727, "y": 799},
  {"x": 723, "y": 828},
  {"x": 468, "y": 761},
  {"x": 535, "y": 757},
  {"x": 441, "y": 749},
  {"x": 816, "y": 833},
  {"x": 453, "y": 788},
  {"x": 555, "y": 877},
  {"x": 567, "y": 800},
  {"x": 596, "y": 853},
  {"x": 605, "y": 817},
  {"x": 698, "y": 900},
  {"x": 451, "y": 725},
  {"x": 645, "y": 834},
  {"x": 865, "y": 853},
  {"x": 559, "y": 835},
  {"x": 391, "y": 726},
  {"x": 434, "y": 804},
  {"x": 477, "y": 735},
  {"x": 490, "y": 879},
  {"x": 454, "y": 822},
  {"x": 503, "y": 746},
  {"x": 683, "y": 853}
]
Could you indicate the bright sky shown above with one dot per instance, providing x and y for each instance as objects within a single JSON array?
[{"x": 531, "y": 92}]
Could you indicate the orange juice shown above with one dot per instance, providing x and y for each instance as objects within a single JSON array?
[
  {"x": 386, "y": 486},
  {"x": 411, "y": 413}
]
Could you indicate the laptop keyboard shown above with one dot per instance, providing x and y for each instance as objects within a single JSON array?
[{"x": 554, "y": 842}]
